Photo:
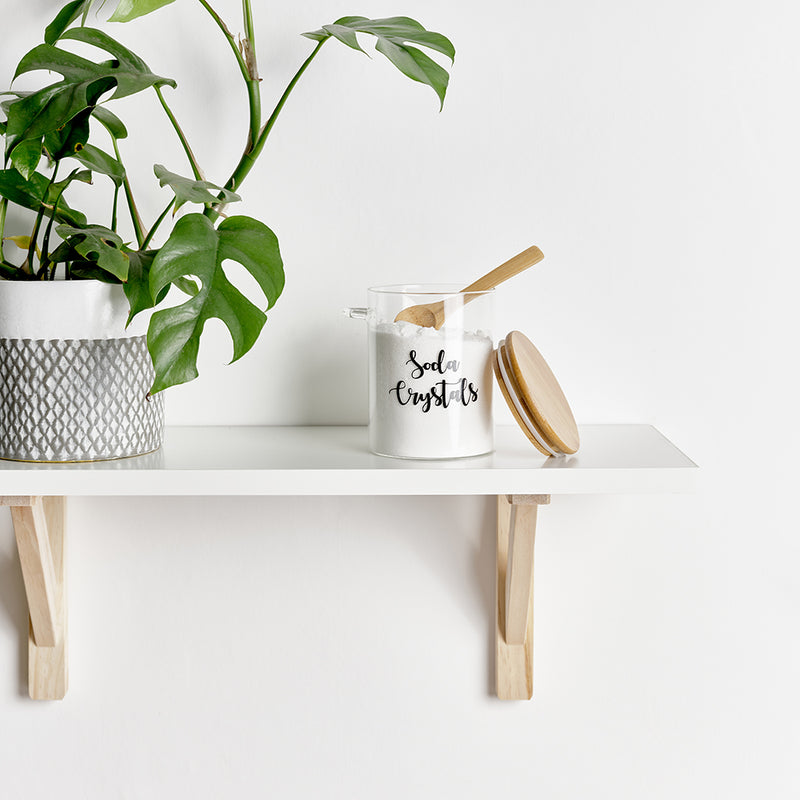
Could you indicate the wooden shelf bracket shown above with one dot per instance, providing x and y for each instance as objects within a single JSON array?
[
  {"x": 516, "y": 532},
  {"x": 39, "y": 529}
]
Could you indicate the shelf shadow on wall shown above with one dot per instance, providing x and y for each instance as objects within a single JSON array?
[
  {"x": 14, "y": 606},
  {"x": 484, "y": 571},
  {"x": 449, "y": 523}
]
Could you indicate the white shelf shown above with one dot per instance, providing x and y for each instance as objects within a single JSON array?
[
  {"x": 330, "y": 461},
  {"x": 336, "y": 461}
]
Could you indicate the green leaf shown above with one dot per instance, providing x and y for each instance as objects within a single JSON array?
[
  {"x": 80, "y": 267},
  {"x": 99, "y": 245},
  {"x": 137, "y": 286},
  {"x": 394, "y": 35},
  {"x": 88, "y": 270},
  {"x": 23, "y": 242},
  {"x": 196, "y": 248},
  {"x": 187, "y": 286},
  {"x": 132, "y": 73},
  {"x": 111, "y": 122},
  {"x": 416, "y": 65},
  {"x": 128, "y": 70},
  {"x": 188, "y": 190},
  {"x": 64, "y": 252},
  {"x": 405, "y": 29},
  {"x": 84, "y": 82},
  {"x": 65, "y": 18},
  {"x": 32, "y": 116},
  {"x": 66, "y": 140},
  {"x": 131, "y": 9},
  {"x": 84, "y": 176},
  {"x": 14, "y": 95},
  {"x": 52, "y": 108},
  {"x": 345, "y": 35},
  {"x": 25, "y": 157},
  {"x": 98, "y": 161},
  {"x": 31, "y": 193}
]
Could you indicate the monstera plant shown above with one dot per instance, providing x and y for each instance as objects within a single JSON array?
[{"x": 66, "y": 132}]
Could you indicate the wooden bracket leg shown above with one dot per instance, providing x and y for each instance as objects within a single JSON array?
[
  {"x": 516, "y": 531},
  {"x": 39, "y": 528}
]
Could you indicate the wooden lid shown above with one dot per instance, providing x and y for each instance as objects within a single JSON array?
[
  {"x": 531, "y": 381},
  {"x": 516, "y": 408}
]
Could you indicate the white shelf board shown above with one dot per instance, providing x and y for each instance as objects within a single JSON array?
[{"x": 334, "y": 460}]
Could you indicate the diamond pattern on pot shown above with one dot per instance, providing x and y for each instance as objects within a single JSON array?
[{"x": 77, "y": 399}]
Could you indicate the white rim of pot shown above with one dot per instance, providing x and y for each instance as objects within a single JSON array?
[{"x": 66, "y": 310}]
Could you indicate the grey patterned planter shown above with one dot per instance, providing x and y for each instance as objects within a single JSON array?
[{"x": 73, "y": 382}]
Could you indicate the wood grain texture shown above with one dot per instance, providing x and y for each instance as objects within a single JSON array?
[
  {"x": 11, "y": 500},
  {"x": 541, "y": 394},
  {"x": 528, "y": 499},
  {"x": 38, "y": 573},
  {"x": 508, "y": 269},
  {"x": 48, "y": 676},
  {"x": 432, "y": 315},
  {"x": 513, "y": 662},
  {"x": 39, "y": 530},
  {"x": 519, "y": 572}
]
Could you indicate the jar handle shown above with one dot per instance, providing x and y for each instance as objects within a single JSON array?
[{"x": 355, "y": 313}]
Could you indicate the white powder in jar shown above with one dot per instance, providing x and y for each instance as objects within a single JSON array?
[{"x": 430, "y": 392}]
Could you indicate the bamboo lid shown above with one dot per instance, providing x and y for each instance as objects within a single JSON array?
[{"x": 534, "y": 396}]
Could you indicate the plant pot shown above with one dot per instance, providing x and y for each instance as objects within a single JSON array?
[{"x": 74, "y": 383}]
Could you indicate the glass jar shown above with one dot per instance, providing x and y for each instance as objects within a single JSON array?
[{"x": 430, "y": 390}]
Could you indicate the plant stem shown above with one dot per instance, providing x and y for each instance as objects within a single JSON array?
[
  {"x": 38, "y": 224},
  {"x": 152, "y": 230},
  {"x": 250, "y": 155},
  {"x": 198, "y": 174},
  {"x": 3, "y": 208},
  {"x": 44, "y": 258},
  {"x": 136, "y": 220},
  {"x": 8, "y": 271},
  {"x": 241, "y": 172},
  {"x": 114, "y": 209},
  {"x": 229, "y": 36},
  {"x": 253, "y": 80}
]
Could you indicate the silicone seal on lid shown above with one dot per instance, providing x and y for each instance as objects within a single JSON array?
[{"x": 534, "y": 396}]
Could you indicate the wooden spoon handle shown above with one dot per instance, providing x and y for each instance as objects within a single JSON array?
[{"x": 521, "y": 261}]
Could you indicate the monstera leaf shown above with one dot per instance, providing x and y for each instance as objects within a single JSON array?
[
  {"x": 65, "y": 17},
  {"x": 35, "y": 191},
  {"x": 98, "y": 245},
  {"x": 126, "y": 68},
  {"x": 59, "y": 118},
  {"x": 98, "y": 161},
  {"x": 111, "y": 122},
  {"x": 130, "y": 9},
  {"x": 137, "y": 285},
  {"x": 196, "y": 248},
  {"x": 26, "y": 157},
  {"x": 84, "y": 82},
  {"x": 393, "y": 35},
  {"x": 64, "y": 141},
  {"x": 188, "y": 190}
]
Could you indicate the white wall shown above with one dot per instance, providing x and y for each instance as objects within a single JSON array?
[{"x": 241, "y": 648}]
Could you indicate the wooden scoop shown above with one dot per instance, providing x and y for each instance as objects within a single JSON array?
[{"x": 431, "y": 315}]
